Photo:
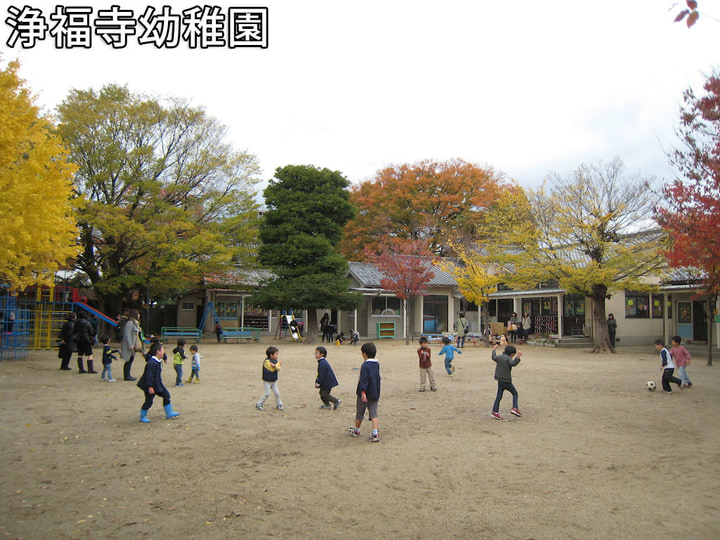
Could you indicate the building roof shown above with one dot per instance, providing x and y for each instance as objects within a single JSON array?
[{"x": 368, "y": 276}]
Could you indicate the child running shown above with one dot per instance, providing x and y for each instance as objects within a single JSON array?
[
  {"x": 682, "y": 358},
  {"x": 151, "y": 383},
  {"x": 368, "y": 392},
  {"x": 196, "y": 357},
  {"x": 668, "y": 367},
  {"x": 271, "y": 366},
  {"x": 503, "y": 375},
  {"x": 449, "y": 351},
  {"x": 325, "y": 380}
]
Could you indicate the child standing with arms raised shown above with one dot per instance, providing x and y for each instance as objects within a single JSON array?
[
  {"x": 503, "y": 375},
  {"x": 368, "y": 392},
  {"x": 449, "y": 351},
  {"x": 426, "y": 370},
  {"x": 271, "y": 366}
]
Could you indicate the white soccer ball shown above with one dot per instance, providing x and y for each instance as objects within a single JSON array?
[{"x": 651, "y": 386}]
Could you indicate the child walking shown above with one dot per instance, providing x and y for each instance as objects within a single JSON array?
[
  {"x": 151, "y": 383},
  {"x": 196, "y": 357},
  {"x": 107, "y": 358},
  {"x": 426, "y": 370},
  {"x": 503, "y": 375},
  {"x": 325, "y": 380},
  {"x": 682, "y": 358},
  {"x": 449, "y": 351},
  {"x": 668, "y": 367},
  {"x": 368, "y": 392},
  {"x": 178, "y": 359},
  {"x": 271, "y": 366}
]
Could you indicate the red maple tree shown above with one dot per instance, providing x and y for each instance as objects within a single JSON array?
[
  {"x": 691, "y": 214},
  {"x": 407, "y": 268}
]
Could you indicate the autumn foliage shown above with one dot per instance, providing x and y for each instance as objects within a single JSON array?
[
  {"x": 37, "y": 226},
  {"x": 428, "y": 201},
  {"x": 691, "y": 214}
]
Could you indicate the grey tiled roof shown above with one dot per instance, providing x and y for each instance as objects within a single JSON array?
[{"x": 369, "y": 276}]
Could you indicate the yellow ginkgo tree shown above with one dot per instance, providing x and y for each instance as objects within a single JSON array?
[{"x": 37, "y": 227}]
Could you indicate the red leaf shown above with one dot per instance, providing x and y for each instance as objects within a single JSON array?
[
  {"x": 692, "y": 4},
  {"x": 681, "y": 15},
  {"x": 692, "y": 19}
]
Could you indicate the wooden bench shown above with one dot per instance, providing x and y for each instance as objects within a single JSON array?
[
  {"x": 250, "y": 334},
  {"x": 179, "y": 331}
]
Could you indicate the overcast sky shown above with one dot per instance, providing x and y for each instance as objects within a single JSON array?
[{"x": 526, "y": 87}]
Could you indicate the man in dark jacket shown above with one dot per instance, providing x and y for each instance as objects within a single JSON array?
[
  {"x": 67, "y": 343},
  {"x": 84, "y": 340}
]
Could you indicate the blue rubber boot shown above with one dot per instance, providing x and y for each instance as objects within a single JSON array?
[
  {"x": 143, "y": 416},
  {"x": 169, "y": 413}
]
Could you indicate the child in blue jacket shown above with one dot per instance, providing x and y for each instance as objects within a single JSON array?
[{"x": 449, "y": 351}]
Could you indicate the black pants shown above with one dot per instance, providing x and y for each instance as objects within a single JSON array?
[
  {"x": 326, "y": 397},
  {"x": 668, "y": 377},
  {"x": 502, "y": 386},
  {"x": 150, "y": 397}
]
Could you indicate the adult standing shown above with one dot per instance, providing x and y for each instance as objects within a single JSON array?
[
  {"x": 612, "y": 329},
  {"x": 131, "y": 343},
  {"x": 462, "y": 327},
  {"x": 525, "y": 326},
  {"x": 323, "y": 323},
  {"x": 67, "y": 343},
  {"x": 512, "y": 327},
  {"x": 83, "y": 333}
]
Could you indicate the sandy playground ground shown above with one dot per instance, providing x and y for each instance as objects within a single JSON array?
[{"x": 595, "y": 455}]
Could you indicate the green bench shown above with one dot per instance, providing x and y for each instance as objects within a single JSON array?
[
  {"x": 179, "y": 331},
  {"x": 250, "y": 334}
]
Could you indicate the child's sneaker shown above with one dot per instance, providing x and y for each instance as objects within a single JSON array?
[
  {"x": 433, "y": 389},
  {"x": 515, "y": 412},
  {"x": 336, "y": 405},
  {"x": 111, "y": 380},
  {"x": 259, "y": 407},
  {"x": 354, "y": 431},
  {"x": 421, "y": 390},
  {"x": 496, "y": 416},
  {"x": 452, "y": 367},
  {"x": 374, "y": 438},
  {"x": 280, "y": 407},
  {"x": 323, "y": 406}
]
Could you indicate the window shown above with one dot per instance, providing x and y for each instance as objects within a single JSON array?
[
  {"x": 637, "y": 305},
  {"x": 657, "y": 307},
  {"x": 386, "y": 306},
  {"x": 188, "y": 306}
]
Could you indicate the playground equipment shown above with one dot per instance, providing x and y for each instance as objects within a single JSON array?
[
  {"x": 48, "y": 308},
  {"x": 14, "y": 327},
  {"x": 288, "y": 322}
]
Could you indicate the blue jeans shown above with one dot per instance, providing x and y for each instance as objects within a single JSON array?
[
  {"x": 106, "y": 369},
  {"x": 178, "y": 370},
  {"x": 502, "y": 386},
  {"x": 448, "y": 364},
  {"x": 682, "y": 374}
]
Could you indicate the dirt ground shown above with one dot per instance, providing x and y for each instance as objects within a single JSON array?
[{"x": 595, "y": 455}]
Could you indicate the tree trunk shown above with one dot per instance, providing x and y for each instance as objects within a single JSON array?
[
  {"x": 601, "y": 336},
  {"x": 711, "y": 321},
  {"x": 408, "y": 321},
  {"x": 311, "y": 327}
]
